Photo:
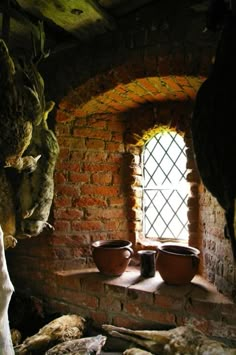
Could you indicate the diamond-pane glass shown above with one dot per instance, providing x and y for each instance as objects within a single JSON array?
[{"x": 165, "y": 189}]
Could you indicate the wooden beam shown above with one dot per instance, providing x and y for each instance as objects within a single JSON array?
[
  {"x": 83, "y": 19},
  {"x": 6, "y": 21},
  {"x": 122, "y": 7}
]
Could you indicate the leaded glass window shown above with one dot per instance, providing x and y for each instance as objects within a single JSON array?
[{"x": 165, "y": 189}]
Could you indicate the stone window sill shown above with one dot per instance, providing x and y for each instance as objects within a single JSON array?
[{"x": 198, "y": 289}]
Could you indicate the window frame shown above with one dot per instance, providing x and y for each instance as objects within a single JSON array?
[
  {"x": 134, "y": 160},
  {"x": 160, "y": 187}
]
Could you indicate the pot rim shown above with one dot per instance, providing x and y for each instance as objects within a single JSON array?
[
  {"x": 118, "y": 243},
  {"x": 194, "y": 250},
  {"x": 146, "y": 251}
]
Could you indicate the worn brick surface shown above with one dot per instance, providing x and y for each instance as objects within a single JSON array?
[{"x": 106, "y": 109}]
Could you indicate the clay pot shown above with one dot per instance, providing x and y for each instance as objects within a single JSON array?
[
  {"x": 112, "y": 256},
  {"x": 177, "y": 264}
]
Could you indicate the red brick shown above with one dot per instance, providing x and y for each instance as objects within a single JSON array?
[
  {"x": 64, "y": 153},
  {"x": 68, "y": 166},
  {"x": 64, "y": 142},
  {"x": 92, "y": 133},
  {"x": 62, "y": 116},
  {"x": 156, "y": 82},
  {"x": 181, "y": 96},
  {"x": 124, "y": 320},
  {"x": 99, "y": 190},
  {"x": 71, "y": 282},
  {"x": 92, "y": 167},
  {"x": 140, "y": 296},
  {"x": 68, "y": 214},
  {"x": 100, "y": 318},
  {"x": 117, "y": 137},
  {"x": 57, "y": 306},
  {"x": 95, "y": 144},
  {"x": 170, "y": 83},
  {"x": 67, "y": 190},
  {"x": 104, "y": 214},
  {"x": 62, "y": 130},
  {"x": 93, "y": 284},
  {"x": 62, "y": 201},
  {"x": 86, "y": 201},
  {"x": 108, "y": 303},
  {"x": 115, "y": 96},
  {"x": 144, "y": 82},
  {"x": 62, "y": 226},
  {"x": 136, "y": 98},
  {"x": 86, "y": 225},
  {"x": 114, "y": 147},
  {"x": 78, "y": 113},
  {"x": 102, "y": 178},
  {"x": 93, "y": 156},
  {"x": 80, "y": 122},
  {"x": 117, "y": 179},
  {"x": 168, "y": 302},
  {"x": 190, "y": 92},
  {"x": 149, "y": 98},
  {"x": 111, "y": 225},
  {"x": 80, "y": 298},
  {"x": 116, "y": 124},
  {"x": 116, "y": 201},
  {"x": 136, "y": 88},
  {"x": 96, "y": 122},
  {"x": 148, "y": 313},
  {"x": 77, "y": 155},
  {"x": 58, "y": 239},
  {"x": 79, "y": 177},
  {"x": 60, "y": 178},
  {"x": 118, "y": 107}
]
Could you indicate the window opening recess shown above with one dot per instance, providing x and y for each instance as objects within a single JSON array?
[{"x": 165, "y": 188}]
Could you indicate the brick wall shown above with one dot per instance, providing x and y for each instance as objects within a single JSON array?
[
  {"x": 105, "y": 109},
  {"x": 219, "y": 265}
]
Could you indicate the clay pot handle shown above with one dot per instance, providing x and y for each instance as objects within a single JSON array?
[
  {"x": 195, "y": 261},
  {"x": 130, "y": 250}
]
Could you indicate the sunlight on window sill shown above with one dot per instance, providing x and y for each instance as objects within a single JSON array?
[{"x": 199, "y": 288}]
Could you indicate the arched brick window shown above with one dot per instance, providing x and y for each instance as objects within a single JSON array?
[{"x": 165, "y": 187}]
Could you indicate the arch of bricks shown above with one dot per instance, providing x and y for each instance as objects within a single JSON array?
[{"x": 128, "y": 87}]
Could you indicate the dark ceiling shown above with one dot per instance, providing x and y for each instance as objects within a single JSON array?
[{"x": 64, "y": 20}]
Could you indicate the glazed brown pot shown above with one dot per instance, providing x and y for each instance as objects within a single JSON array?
[
  {"x": 112, "y": 256},
  {"x": 177, "y": 264}
]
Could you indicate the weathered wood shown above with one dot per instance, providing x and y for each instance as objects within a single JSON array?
[
  {"x": 6, "y": 21},
  {"x": 21, "y": 29},
  {"x": 83, "y": 19},
  {"x": 121, "y": 7}
]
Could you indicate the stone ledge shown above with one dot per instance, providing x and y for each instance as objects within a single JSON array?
[
  {"x": 198, "y": 289},
  {"x": 134, "y": 302}
]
